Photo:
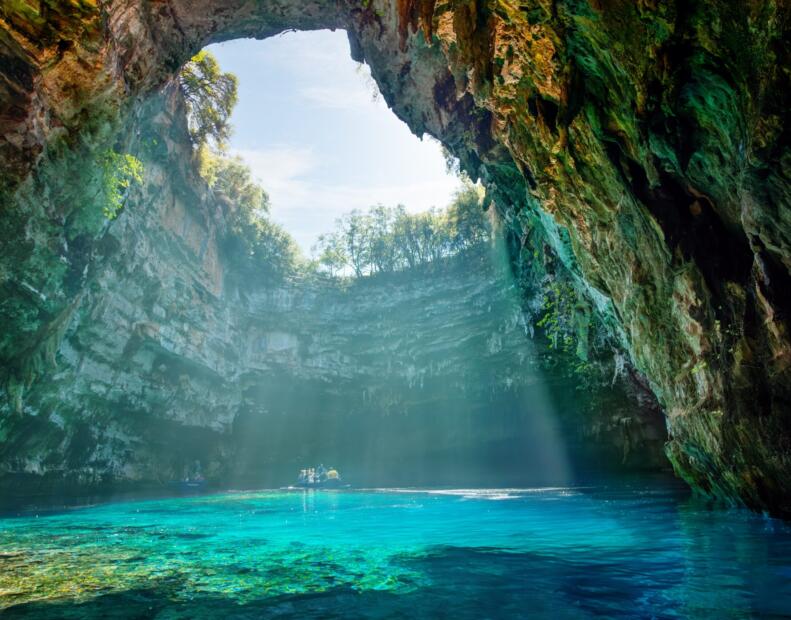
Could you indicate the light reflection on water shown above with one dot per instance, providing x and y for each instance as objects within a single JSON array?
[{"x": 497, "y": 553}]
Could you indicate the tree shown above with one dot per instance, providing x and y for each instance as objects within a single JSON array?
[
  {"x": 258, "y": 245},
  {"x": 382, "y": 251},
  {"x": 386, "y": 239},
  {"x": 330, "y": 252},
  {"x": 231, "y": 177},
  {"x": 405, "y": 239},
  {"x": 255, "y": 243},
  {"x": 353, "y": 229},
  {"x": 434, "y": 235},
  {"x": 467, "y": 220},
  {"x": 210, "y": 96},
  {"x": 272, "y": 250}
]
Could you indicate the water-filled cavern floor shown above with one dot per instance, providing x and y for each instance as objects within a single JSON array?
[{"x": 542, "y": 553}]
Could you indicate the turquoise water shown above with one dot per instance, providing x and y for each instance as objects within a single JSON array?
[{"x": 541, "y": 553}]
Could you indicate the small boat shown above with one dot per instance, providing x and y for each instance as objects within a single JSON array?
[
  {"x": 193, "y": 479},
  {"x": 190, "y": 484},
  {"x": 320, "y": 479}
]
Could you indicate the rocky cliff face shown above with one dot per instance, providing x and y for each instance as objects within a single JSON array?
[
  {"x": 164, "y": 357},
  {"x": 645, "y": 143}
]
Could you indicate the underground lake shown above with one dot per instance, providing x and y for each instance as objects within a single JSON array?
[{"x": 618, "y": 552}]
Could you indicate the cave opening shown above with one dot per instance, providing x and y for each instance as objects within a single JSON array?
[
  {"x": 414, "y": 368},
  {"x": 419, "y": 342}
]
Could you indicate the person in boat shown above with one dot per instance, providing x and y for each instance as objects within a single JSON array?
[
  {"x": 332, "y": 474},
  {"x": 193, "y": 473},
  {"x": 303, "y": 476},
  {"x": 197, "y": 475},
  {"x": 321, "y": 473}
]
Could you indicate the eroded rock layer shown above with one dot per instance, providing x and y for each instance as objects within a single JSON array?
[
  {"x": 165, "y": 356},
  {"x": 646, "y": 143}
]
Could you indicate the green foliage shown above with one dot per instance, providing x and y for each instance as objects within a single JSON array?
[
  {"x": 558, "y": 320},
  {"x": 566, "y": 334},
  {"x": 262, "y": 247},
  {"x": 330, "y": 252},
  {"x": 231, "y": 177},
  {"x": 368, "y": 5},
  {"x": 211, "y": 96},
  {"x": 453, "y": 165},
  {"x": 120, "y": 171},
  {"x": 388, "y": 239},
  {"x": 258, "y": 246},
  {"x": 699, "y": 367},
  {"x": 467, "y": 221}
]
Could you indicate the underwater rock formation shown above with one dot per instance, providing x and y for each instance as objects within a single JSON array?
[{"x": 645, "y": 143}]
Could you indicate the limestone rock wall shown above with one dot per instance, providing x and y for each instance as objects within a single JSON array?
[
  {"x": 165, "y": 356},
  {"x": 646, "y": 143}
]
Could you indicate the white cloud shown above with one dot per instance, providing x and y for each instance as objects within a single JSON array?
[
  {"x": 308, "y": 208},
  {"x": 416, "y": 197},
  {"x": 320, "y": 63},
  {"x": 309, "y": 52},
  {"x": 318, "y": 142},
  {"x": 334, "y": 97},
  {"x": 279, "y": 167}
]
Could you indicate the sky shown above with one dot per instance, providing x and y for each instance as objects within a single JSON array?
[{"x": 311, "y": 126}]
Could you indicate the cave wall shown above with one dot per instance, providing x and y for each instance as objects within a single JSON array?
[
  {"x": 644, "y": 142},
  {"x": 168, "y": 355}
]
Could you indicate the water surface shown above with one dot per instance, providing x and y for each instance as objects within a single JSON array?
[{"x": 530, "y": 553}]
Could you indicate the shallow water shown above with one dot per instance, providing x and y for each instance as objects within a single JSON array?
[{"x": 540, "y": 553}]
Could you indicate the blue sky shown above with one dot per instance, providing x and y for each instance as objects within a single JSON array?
[{"x": 311, "y": 127}]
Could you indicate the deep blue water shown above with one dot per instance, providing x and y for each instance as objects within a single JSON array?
[{"x": 542, "y": 553}]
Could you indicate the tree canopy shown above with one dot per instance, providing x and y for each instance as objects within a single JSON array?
[
  {"x": 379, "y": 240},
  {"x": 210, "y": 95},
  {"x": 387, "y": 239},
  {"x": 257, "y": 245}
]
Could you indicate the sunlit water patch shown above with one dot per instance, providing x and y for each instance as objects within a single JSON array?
[{"x": 460, "y": 553}]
